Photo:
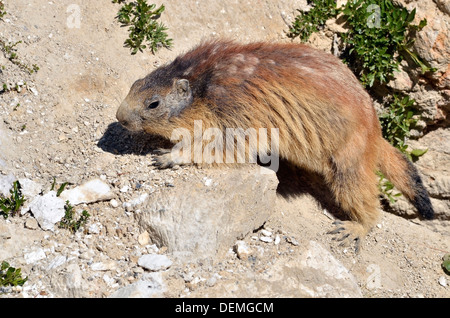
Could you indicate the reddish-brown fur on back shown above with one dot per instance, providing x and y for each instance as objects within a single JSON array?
[{"x": 325, "y": 118}]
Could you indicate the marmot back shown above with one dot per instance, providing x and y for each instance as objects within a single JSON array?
[{"x": 325, "y": 118}]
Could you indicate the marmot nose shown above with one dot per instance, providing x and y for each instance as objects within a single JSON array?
[{"x": 120, "y": 115}]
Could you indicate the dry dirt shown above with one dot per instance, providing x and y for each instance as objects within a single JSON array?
[{"x": 65, "y": 127}]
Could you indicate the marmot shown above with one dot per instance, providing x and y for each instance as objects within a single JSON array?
[{"x": 326, "y": 120}]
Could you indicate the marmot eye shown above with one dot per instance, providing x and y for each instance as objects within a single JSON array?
[{"x": 151, "y": 104}]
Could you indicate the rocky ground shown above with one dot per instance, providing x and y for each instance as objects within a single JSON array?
[{"x": 59, "y": 124}]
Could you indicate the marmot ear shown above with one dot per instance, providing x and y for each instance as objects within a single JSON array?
[{"x": 182, "y": 87}]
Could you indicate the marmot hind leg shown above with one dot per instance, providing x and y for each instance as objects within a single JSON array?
[{"x": 355, "y": 190}]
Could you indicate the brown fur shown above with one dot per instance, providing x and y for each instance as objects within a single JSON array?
[{"x": 325, "y": 118}]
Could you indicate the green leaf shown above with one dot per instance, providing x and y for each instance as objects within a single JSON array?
[
  {"x": 61, "y": 189},
  {"x": 446, "y": 264},
  {"x": 418, "y": 152}
]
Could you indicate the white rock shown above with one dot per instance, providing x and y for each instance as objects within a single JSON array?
[
  {"x": 135, "y": 202},
  {"x": 277, "y": 240},
  {"x": 94, "y": 228},
  {"x": 35, "y": 256},
  {"x": 266, "y": 233},
  {"x": 30, "y": 188},
  {"x": 48, "y": 210},
  {"x": 154, "y": 262},
  {"x": 114, "y": 203},
  {"x": 111, "y": 282},
  {"x": 56, "y": 262},
  {"x": 34, "y": 91},
  {"x": 90, "y": 192},
  {"x": 101, "y": 266},
  {"x": 6, "y": 183},
  {"x": 151, "y": 285},
  {"x": 242, "y": 250},
  {"x": 208, "y": 181},
  {"x": 266, "y": 239},
  {"x": 442, "y": 281},
  {"x": 74, "y": 279},
  {"x": 31, "y": 224},
  {"x": 144, "y": 238}
]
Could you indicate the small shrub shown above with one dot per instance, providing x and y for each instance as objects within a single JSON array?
[
  {"x": 378, "y": 40},
  {"x": 68, "y": 221},
  {"x": 10, "y": 276},
  {"x": 396, "y": 123},
  {"x": 10, "y": 206},
  {"x": 2, "y": 9},
  {"x": 307, "y": 23},
  {"x": 144, "y": 30},
  {"x": 10, "y": 52}
]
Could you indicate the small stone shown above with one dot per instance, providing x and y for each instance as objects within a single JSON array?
[
  {"x": 266, "y": 239},
  {"x": 129, "y": 206},
  {"x": 277, "y": 240},
  {"x": 292, "y": 240},
  {"x": 31, "y": 224},
  {"x": 208, "y": 181},
  {"x": 213, "y": 280},
  {"x": 90, "y": 192},
  {"x": 114, "y": 203},
  {"x": 442, "y": 281},
  {"x": 154, "y": 262},
  {"x": 152, "y": 285},
  {"x": 34, "y": 91},
  {"x": 48, "y": 210},
  {"x": 94, "y": 228},
  {"x": 35, "y": 256},
  {"x": 110, "y": 281},
  {"x": 242, "y": 250},
  {"x": 87, "y": 255},
  {"x": 101, "y": 266},
  {"x": 56, "y": 262},
  {"x": 266, "y": 233},
  {"x": 144, "y": 238}
]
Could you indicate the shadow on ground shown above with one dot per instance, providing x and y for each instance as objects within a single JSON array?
[
  {"x": 120, "y": 141},
  {"x": 294, "y": 182}
]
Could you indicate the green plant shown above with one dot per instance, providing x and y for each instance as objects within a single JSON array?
[
  {"x": 446, "y": 263},
  {"x": 141, "y": 18},
  {"x": 396, "y": 123},
  {"x": 2, "y": 9},
  {"x": 68, "y": 221},
  {"x": 10, "y": 52},
  {"x": 60, "y": 189},
  {"x": 10, "y": 206},
  {"x": 387, "y": 188},
  {"x": 309, "y": 22},
  {"x": 10, "y": 276},
  {"x": 379, "y": 38}
]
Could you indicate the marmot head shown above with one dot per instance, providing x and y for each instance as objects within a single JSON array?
[{"x": 153, "y": 101}]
